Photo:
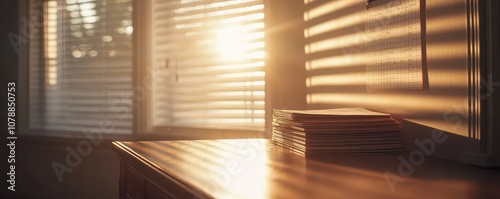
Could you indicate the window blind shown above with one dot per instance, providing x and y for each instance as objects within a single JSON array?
[
  {"x": 81, "y": 66},
  {"x": 208, "y": 64}
]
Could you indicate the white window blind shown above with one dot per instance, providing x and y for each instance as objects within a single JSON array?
[
  {"x": 81, "y": 66},
  {"x": 208, "y": 64}
]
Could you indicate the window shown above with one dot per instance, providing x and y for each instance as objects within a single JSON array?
[
  {"x": 208, "y": 58},
  {"x": 206, "y": 66},
  {"x": 81, "y": 64}
]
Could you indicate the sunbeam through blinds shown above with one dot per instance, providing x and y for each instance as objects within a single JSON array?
[
  {"x": 208, "y": 63},
  {"x": 81, "y": 66}
]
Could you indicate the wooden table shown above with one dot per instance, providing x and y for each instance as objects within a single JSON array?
[{"x": 255, "y": 168}]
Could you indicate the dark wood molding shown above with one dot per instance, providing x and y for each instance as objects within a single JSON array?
[
  {"x": 481, "y": 28},
  {"x": 473, "y": 41}
]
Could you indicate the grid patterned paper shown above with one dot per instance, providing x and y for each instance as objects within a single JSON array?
[{"x": 394, "y": 52}]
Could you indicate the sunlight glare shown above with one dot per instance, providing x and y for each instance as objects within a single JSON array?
[{"x": 230, "y": 42}]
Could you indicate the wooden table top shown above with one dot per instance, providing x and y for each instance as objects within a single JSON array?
[{"x": 255, "y": 168}]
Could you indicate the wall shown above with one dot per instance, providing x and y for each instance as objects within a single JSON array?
[
  {"x": 335, "y": 76},
  {"x": 95, "y": 177}
]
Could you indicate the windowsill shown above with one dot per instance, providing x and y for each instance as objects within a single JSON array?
[{"x": 61, "y": 138}]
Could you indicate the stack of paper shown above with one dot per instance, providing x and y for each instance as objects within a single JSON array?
[{"x": 336, "y": 131}]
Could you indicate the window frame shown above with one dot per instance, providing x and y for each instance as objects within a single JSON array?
[
  {"x": 30, "y": 23},
  {"x": 142, "y": 127},
  {"x": 142, "y": 76}
]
